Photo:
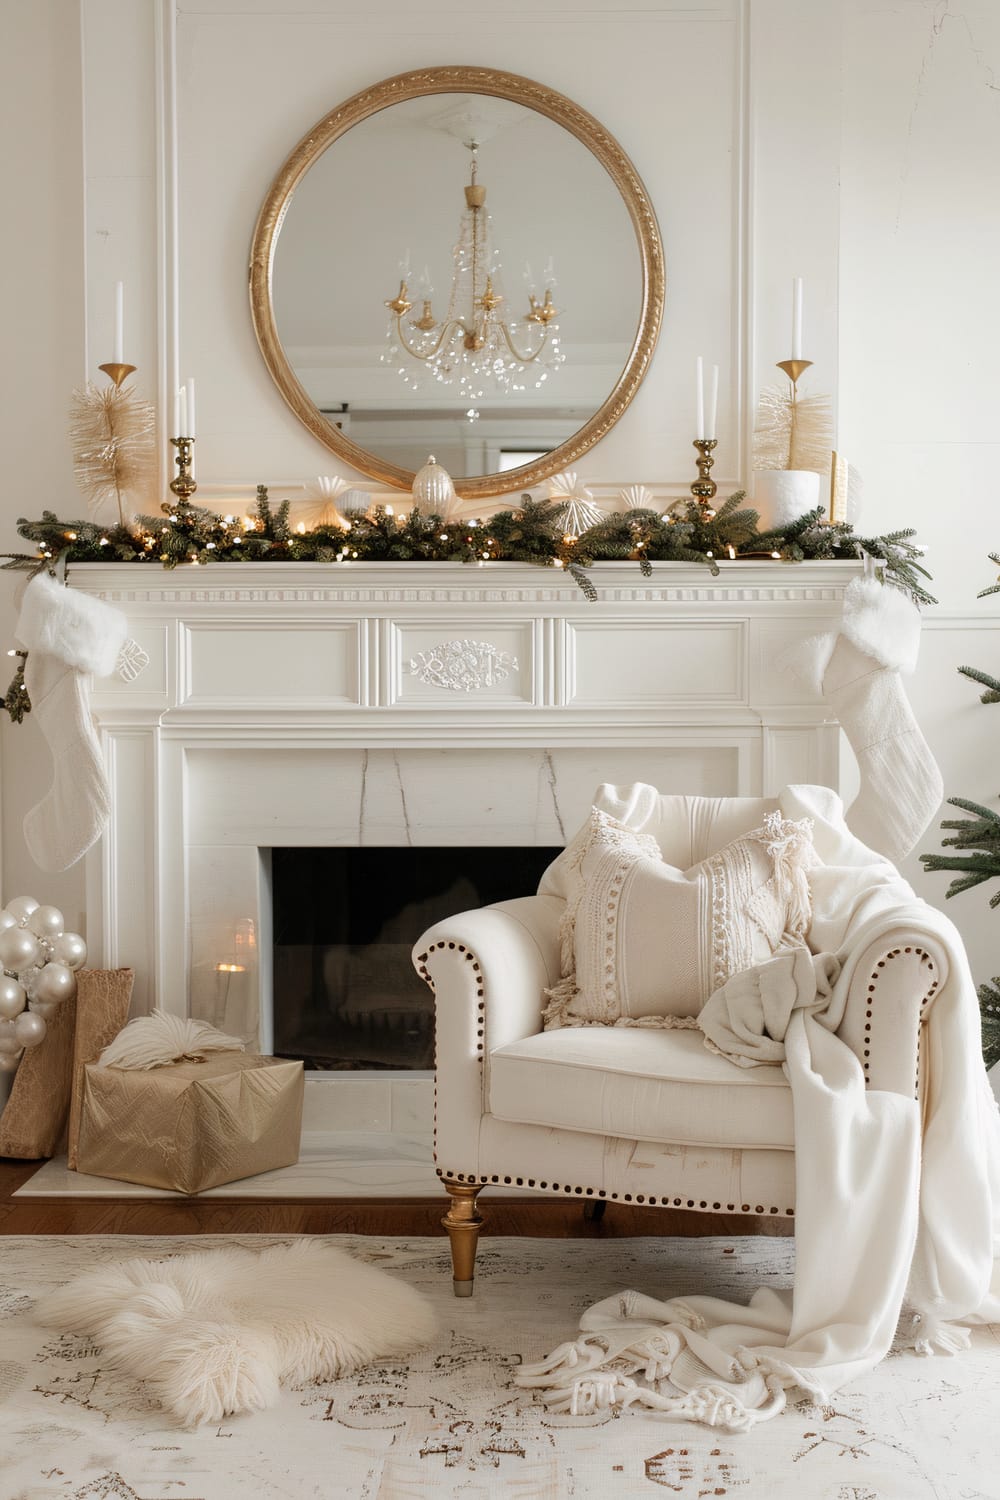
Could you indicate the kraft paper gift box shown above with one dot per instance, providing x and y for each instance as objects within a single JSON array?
[{"x": 191, "y": 1125}]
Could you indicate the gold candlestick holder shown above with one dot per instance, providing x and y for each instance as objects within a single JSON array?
[
  {"x": 116, "y": 373},
  {"x": 183, "y": 486},
  {"x": 704, "y": 488},
  {"x": 793, "y": 368}
]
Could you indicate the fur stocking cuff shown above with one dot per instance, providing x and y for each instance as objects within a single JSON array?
[
  {"x": 79, "y": 631},
  {"x": 882, "y": 622}
]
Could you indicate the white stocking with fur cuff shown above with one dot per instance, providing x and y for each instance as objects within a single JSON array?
[
  {"x": 69, "y": 637},
  {"x": 858, "y": 672}
]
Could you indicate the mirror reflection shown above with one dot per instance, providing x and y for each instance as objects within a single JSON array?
[{"x": 457, "y": 274}]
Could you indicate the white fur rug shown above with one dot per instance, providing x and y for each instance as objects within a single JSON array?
[
  {"x": 447, "y": 1421},
  {"x": 218, "y": 1332}
]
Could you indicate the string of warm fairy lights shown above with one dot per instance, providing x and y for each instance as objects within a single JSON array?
[{"x": 531, "y": 533}]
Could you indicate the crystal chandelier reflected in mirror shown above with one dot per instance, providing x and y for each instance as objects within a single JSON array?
[{"x": 474, "y": 348}]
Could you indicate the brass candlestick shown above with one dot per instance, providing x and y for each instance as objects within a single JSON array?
[
  {"x": 704, "y": 487},
  {"x": 116, "y": 373},
  {"x": 793, "y": 368},
  {"x": 183, "y": 486}
]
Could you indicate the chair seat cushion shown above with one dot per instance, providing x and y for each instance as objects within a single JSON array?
[{"x": 641, "y": 1085}]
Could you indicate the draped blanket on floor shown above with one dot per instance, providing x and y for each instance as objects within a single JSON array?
[{"x": 897, "y": 1200}]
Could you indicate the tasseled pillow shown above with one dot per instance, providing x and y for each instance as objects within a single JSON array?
[{"x": 645, "y": 944}]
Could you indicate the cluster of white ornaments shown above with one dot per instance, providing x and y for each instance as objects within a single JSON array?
[{"x": 39, "y": 961}]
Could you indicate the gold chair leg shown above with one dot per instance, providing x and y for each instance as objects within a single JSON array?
[{"x": 462, "y": 1222}]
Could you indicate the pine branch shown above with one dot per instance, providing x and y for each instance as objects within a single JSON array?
[
  {"x": 992, "y": 686},
  {"x": 989, "y": 1010}
]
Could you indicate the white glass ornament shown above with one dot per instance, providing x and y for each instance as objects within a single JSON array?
[
  {"x": 54, "y": 983},
  {"x": 29, "y": 1029},
  {"x": 434, "y": 491},
  {"x": 13, "y": 998},
  {"x": 44, "y": 1008},
  {"x": 7, "y": 919},
  {"x": 9, "y": 1061},
  {"x": 46, "y": 922},
  {"x": 69, "y": 949},
  {"x": 18, "y": 949},
  {"x": 577, "y": 511},
  {"x": 8, "y": 1039},
  {"x": 21, "y": 907}
]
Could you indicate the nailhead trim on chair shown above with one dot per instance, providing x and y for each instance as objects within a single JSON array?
[
  {"x": 480, "y": 985},
  {"x": 590, "y": 1192},
  {"x": 872, "y": 982},
  {"x": 646, "y": 1198}
]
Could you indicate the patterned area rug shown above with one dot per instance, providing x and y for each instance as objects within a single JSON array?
[{"x": 449, "y": 1422}]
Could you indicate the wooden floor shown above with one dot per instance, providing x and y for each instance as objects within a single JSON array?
[{"x": 554, "y": 1218}]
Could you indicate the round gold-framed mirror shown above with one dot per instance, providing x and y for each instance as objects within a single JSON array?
[{"x": 516, "y": 395}]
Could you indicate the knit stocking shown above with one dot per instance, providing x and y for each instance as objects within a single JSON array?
[
  {"x": 68, "y": 636},
  {"x": 858, "y": 673},
  {"x": 901, "y": 786}
]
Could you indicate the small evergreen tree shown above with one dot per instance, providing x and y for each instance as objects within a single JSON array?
[{"x": 979, "y": 834}]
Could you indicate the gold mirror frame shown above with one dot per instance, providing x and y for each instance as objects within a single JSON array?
[{"x": 461, "y": 80}]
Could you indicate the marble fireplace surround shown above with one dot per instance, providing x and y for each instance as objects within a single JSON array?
[{"x": 282, "y": 704}]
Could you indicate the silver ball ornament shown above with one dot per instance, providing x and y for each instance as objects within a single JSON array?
[
  {"x": 13, "y": 998},
  {"x": 46, "y": 922},
  {"x": 54, "y": 983},
  {"x": 69, "y": 949},
  {"x": 29, "y": 1029},
  {"x": 21, "y": 907},
  {"x": 18, "y": 949},
  {"x": 9, "y": 1061},
  {"x": 8, "y": 1039}
]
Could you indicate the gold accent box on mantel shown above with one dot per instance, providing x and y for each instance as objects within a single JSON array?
[{"x": 191, "y": 1125}]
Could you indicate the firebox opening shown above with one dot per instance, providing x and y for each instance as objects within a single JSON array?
[{"x": 346, "y": 996}]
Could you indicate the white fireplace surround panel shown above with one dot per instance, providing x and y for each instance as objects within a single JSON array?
[{"x": 265, "y": 705}]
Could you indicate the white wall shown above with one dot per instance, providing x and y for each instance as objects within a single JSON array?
[
  {"x": 42, "y": 286},
  {"x": 854, "y": 144}
]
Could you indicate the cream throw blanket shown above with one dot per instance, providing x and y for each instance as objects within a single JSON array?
[{"x": 887, "y": 1205}]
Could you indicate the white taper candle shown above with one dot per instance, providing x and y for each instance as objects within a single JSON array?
[
  {"x": 699, "y": 381},
  {"x": 180, "y": 412},
  {"x": 797, "y": 317},
  {"x": 119, "y": 344}
]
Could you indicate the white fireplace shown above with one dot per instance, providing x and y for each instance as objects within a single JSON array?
[{"x": 282, "y": 705}]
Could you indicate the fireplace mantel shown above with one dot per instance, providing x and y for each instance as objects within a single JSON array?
[{"x": 266, "y": 704}]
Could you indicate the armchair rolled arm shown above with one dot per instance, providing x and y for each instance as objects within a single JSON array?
[
  {"x": 488, "y": 969},
  {"x": 896, "y": 978}
]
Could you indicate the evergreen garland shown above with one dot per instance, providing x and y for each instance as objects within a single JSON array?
[
  {"x": 689, "y": 532},
  {"x": 980, "y": 834}
]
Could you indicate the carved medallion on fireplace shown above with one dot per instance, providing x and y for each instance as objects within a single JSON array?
[{"x": 462, "y": 666}]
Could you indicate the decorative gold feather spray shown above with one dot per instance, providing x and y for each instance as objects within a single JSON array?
[
  {"x": 792, "y": 433},
  {"x": 113, "y": 436}
]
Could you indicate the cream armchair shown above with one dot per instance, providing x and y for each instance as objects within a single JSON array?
[{"x": 631, "y": 1115}]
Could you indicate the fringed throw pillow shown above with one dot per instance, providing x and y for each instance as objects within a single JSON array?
[{"x": 645, "y": 944}]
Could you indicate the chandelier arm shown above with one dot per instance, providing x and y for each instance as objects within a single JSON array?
[
  {"x": 415, "y": 353},
  {"x": 526, "y": 359}
]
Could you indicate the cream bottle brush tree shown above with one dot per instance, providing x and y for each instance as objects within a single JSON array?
[{"x": 112, "y": 432}]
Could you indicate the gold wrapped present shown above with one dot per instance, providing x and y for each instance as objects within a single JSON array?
[{"x": 191, "y": 1125}]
